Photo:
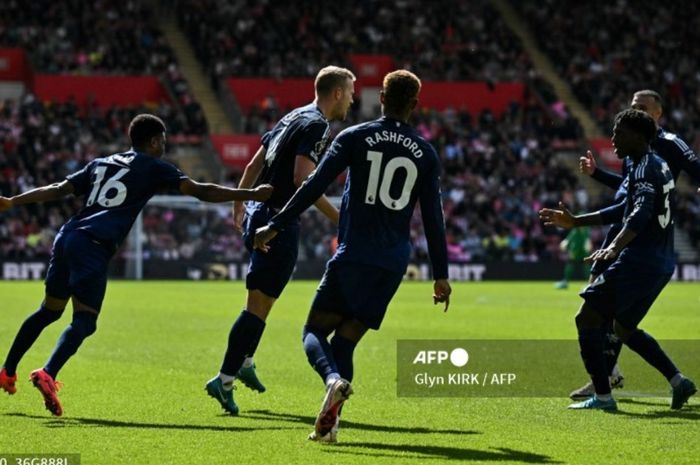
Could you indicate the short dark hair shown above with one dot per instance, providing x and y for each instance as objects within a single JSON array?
[
  {"x": 331, "y": 77},
  {"x": 143, "y": 128},
  {"x": 637, "y": 121},
  {"x": 650, "y": 93},
  {"x": 400, "y": 87}
]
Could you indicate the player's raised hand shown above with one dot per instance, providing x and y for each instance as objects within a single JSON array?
[
  {"x": 587, "y": 164},
  {"x": 263, "y": 235},
  {"x": 562, "y": 218},
  {"x": 262, "y": 192},
  {"x": 5, "y": 204},
  {"x": 238, "y": 215},
  {"x": 441, "y": 292}
]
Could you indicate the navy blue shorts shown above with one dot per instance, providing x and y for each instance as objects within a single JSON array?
[
  {"x": 270, "y": 272},
  {"x": 78, "y": 268},
  {"x": 356, "y": 291},
  {"x": 625, "y": 292},
  {"x": 599, "y": 265}
]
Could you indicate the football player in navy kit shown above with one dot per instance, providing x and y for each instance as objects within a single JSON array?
[
  {"x": 115, "y": 189},
  {"x": 391, "y": 168}
]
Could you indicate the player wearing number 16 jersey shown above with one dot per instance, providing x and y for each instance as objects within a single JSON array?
[
  {"x": 116, "y": 188},
  {"x": 390, "y": 169}
]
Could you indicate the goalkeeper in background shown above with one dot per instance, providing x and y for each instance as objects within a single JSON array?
[{"x": 577, "y": 245}]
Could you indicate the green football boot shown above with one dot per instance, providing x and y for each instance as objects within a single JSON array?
[
  {"x": 215, "y": 389},
  {"x": 250, "y": 379}
]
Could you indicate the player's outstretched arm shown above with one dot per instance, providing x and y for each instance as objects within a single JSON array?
[
  {"x": 48, "y": 193},
  {"x": 303, "y": 167},
  {"x": 251, "y": 173},
  {"x": 208, "y": 192},
  {"x": 563, "y": 218},
  {"x": 441, "y": 292}
]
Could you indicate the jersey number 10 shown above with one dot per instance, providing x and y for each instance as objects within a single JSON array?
[{"x": 373, "y": 183}]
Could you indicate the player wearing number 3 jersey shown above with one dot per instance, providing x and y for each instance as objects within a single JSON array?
[
  {"x": 115, "y": 188},
  {"x": 642, "y": 263},
  {"x": 390, "y": 169}
]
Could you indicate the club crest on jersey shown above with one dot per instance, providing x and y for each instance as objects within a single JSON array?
[{"x": 319, "y": 148}]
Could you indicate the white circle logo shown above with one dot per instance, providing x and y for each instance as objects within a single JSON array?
[{"x": 459, "y": 357}]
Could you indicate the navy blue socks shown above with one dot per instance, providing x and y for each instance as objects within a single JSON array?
[
  {"x": 319, "y": 352},
  {"x": 83, "y": 325},
  {"x": 647, "y": 347},
  {"x": 244, "y": 334},
  {"x": 343, "y": 350},
  {"x": 27, "y": 334},
  {"x": 591, "y": 343}
]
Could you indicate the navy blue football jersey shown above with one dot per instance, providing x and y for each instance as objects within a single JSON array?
[
  {"x": 301, "y": 132},
  {"x": 676, "y": 153},
  {"x": 671, "y": 148},
  {"x": 116, "y": 188},
  {"x": 648, "y": 210},
  {"x": 390, "y": 168}
]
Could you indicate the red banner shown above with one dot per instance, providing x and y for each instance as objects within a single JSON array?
[
  {"x": 105, "y": 91},
  {"x": 235, "y": 150},
  {"x": 471, "y": 96},
  {"x": 291, "y": 93},
  {"x": 14, "y": 65},
  {"x": 371, "y": 69},
  {"x": 605, "y": 153},
  {"x": 285, "y": 94}
]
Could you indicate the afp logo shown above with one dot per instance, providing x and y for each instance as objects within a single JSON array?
[{"x": 458, "y": 357}]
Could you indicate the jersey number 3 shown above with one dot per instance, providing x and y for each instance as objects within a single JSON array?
[
  {"x": 373, "y": 183},
  {"x": 665, "y": 219},
  {"x": 112, "y": 186}
]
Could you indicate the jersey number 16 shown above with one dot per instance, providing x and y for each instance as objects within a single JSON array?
[{"x": 99, "y": 191}]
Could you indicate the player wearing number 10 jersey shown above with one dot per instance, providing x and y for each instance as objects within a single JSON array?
[
  {"x": 390, "y": 169},
  {"x": 116, "y": 188}
]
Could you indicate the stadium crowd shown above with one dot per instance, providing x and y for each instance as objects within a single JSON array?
[
  {"x": 498, "y": 172},
  {"x": 609, "y": 50},
  {"x": 449, "y": 41},
  {"x": 42, "y": 142},
  {"x": 99, "y": 37},
  {"x": 499, "y": 169}
]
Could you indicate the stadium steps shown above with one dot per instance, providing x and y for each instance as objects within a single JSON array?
[
  {"x": 193, "y": 72},
  {"x": 684, "y": 248},
  {"x": 194, "y": 161},
  {"x": 592, "y": 187},
  {"x": 546, "y": 68}
]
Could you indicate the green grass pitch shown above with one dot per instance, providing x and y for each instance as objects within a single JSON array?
[{"x": 134, "y": 392}]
